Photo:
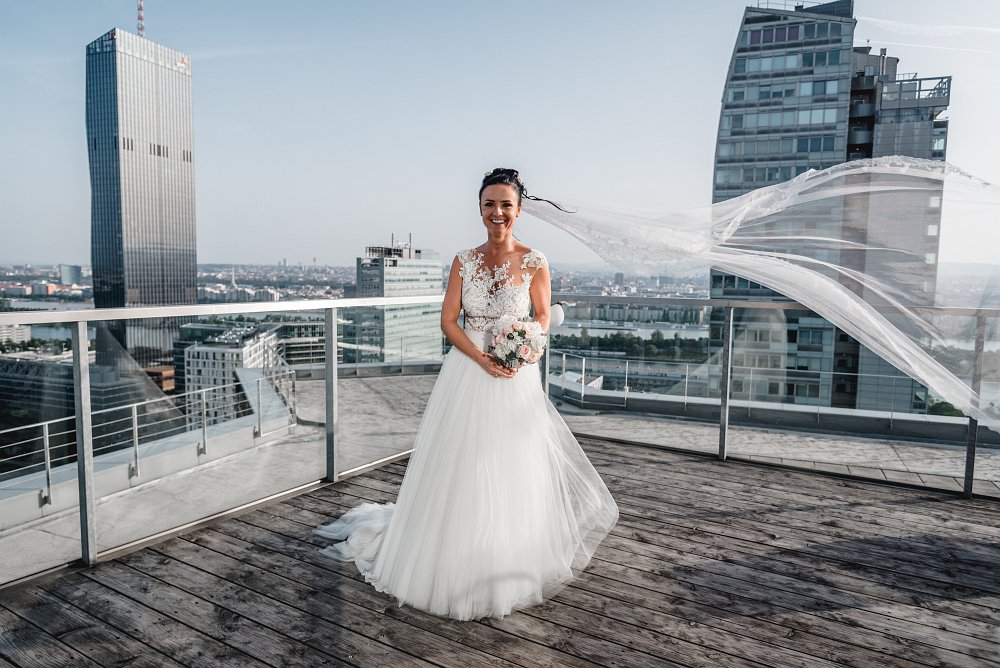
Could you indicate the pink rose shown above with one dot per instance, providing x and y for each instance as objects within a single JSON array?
[{"x": 523, "y": 352}]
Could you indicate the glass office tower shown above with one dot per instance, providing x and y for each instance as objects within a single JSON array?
[
  {"x": 800, "y": 96},
  {"x": 140, "y": 149},
  {"x": 396, "y": 333}
]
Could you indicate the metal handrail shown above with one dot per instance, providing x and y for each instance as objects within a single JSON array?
[{"x": 83, "y": 416}]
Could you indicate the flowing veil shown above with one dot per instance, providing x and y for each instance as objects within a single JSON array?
[{"x": 890, "y": 250}]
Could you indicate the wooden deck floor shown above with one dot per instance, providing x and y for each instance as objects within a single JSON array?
[{"x": 712, "y": 564}]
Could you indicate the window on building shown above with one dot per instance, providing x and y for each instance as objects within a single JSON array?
[{"x": 810, "y": 30}]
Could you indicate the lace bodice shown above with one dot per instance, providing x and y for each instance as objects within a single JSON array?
[{"x": 489, "y": 295}]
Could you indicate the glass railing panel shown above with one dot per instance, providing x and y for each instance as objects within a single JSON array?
[
  {"x": 391, "y": 359},
  {"x": 626, "y": 371},
  {"x": 39, "y": 490},
  {"x": 828, "y": 403},
  {"x": 194, "y": 416}
]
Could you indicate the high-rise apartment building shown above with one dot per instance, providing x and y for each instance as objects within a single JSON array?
[
  {"x": 140, "y": 150},
  {"x": 395, "y": 333},
  {"x": 800, "y": 96}
]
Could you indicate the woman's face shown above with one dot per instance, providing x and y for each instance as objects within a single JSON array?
[{"x": 499, "y": 208}]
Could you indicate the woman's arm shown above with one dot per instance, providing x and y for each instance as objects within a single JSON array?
[
  {"x": 450, "y": 310},
  {"x": 541, "y": 294}
]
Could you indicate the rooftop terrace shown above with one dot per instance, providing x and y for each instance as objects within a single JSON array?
[{"x": 713, "y": 563}]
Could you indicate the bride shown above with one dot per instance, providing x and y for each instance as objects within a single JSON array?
[{"x": 499, "y": 507}]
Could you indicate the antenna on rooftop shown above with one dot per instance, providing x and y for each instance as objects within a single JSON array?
[{"x": 140, "y": 26}]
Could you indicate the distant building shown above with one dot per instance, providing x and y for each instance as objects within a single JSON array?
[
  {"x": 395, "y": 333},
  {"x": 800, "y": 96},
  {"x": 140, "y": 150},
  {"x": 43, "y": 289},
  {"x": 70, "y": 274},
  {"x": 15, "y": 333},
  {"x": 211, "y": 366}
]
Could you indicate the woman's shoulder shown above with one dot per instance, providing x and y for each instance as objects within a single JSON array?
[
  {"x": 533, "y": 259},
  {"x": 466, "y": 256}
]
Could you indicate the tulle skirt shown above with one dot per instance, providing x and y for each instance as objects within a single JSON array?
[{"x": 499, "y": 507}]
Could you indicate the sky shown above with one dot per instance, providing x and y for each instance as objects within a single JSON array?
[{"x": 325, "y": 126}]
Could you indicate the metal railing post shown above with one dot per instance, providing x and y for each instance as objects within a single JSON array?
[
  {"x": 84, "y": 443},
  {"x": 892, "y": 402},
  {"x": 687, "y": 375},
  {"x": 46, "y": 498},
  {"x": 562, "y": 378},
  {"x": 583, "y": 378},
  {"x": 133, "y": 470},
  {"x": 203, "y": 448},
  {"x": 545, "y": 368},
  {"x": 625, "y": 403},
  {"x": 330, "y": 344},
  {"x": 977, "y": 381},
  {"x": 750, "y": 392},
  {"x": 260, "y": 409},
  {"x": 727, "y": 353}
]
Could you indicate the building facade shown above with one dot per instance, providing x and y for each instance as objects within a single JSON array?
[
  {"x": 395, "y": 333},
  {"x": 210, "y": 380},
  {"x": 140, "y": 152},
  {"x": 800, "y": 96}
]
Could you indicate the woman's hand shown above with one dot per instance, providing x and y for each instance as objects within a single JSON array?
[{"x": 494, "y": 368}]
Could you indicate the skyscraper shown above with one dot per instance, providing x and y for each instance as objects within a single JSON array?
[
  {"x": 800, "y": 96},
  {"x": 396, "y": 333},
  {"x": 140, "y": 149}
]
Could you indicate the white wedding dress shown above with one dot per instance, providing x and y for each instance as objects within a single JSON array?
[{"x": 499, "y": 506}]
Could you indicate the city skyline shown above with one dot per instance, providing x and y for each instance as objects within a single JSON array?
[{"x": 316, "y": 137}]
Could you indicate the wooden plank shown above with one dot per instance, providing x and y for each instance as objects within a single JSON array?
[
  {"x": 224, "y": 624},
  {"x": 920, "y": 641},
  {"x": 883, "y": 583},
  {"x": 982, "y": 513},
  {"x": 879, "y": 562},
  {"x": 824, "y": 596},
  {"x": 871, "y": 505},
  {"x": 302, "y": 612},
  {"x": 376, "y": 497},
  {"x": 643, "y": 600},
  {"x": 777, "y": 633},
  {"x": 27, "y": 646},
  {"x": 301, "y": 563},
  {"x": 568, "y": 642},
  {"x": 757, "y": 581},
  {"x": 522, "y": 623},
  {"x": 685, "y": 634},
  {"x": 178, "y": 641},
  {"x": 883, "y": 514},
  {"x": 86, "y": 634},
  {"x": 805, "y": 525}
]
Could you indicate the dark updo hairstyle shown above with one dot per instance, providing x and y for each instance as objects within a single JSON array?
[{"x": 509, "y": 177}]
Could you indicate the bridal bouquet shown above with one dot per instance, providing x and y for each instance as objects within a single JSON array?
[{"x": 518, "y": 342}]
